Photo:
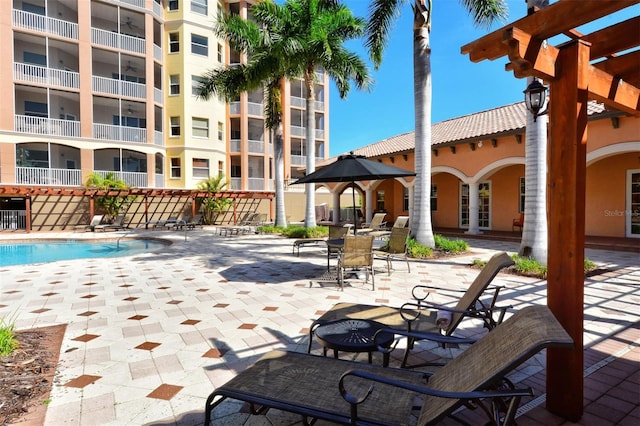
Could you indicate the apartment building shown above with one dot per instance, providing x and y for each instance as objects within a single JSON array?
[{"x": 109, "y": 86}]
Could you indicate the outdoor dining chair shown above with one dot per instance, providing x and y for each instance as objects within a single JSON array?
[
  {"x": 396, "y": 248},
  {"x": 356, "y": 254}
]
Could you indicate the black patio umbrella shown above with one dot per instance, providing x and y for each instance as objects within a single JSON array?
[{"x": 352, "y": 168}]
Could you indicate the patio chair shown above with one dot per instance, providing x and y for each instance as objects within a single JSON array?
[
  {"x": 116, "y": 225},
  {"x": 95, "y": 221},
  {"x": 357, "y": 253},
  {"x": 518, "y": 223},
  {"x": 335, "y": 241},
  {"x": 401, "y": 222},
  {"x": 421, "y": 315},
  {"x": 194, "y": 221},
  {"x": 348, "y": 392},
  {"x": 396, "y": 248},
  {"x": 377, "y": 223}
]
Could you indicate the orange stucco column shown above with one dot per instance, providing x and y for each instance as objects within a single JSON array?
[{"x": 567, "y": 154}]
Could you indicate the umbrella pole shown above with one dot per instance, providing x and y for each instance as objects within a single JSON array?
[{"x": 355, "y": 216}]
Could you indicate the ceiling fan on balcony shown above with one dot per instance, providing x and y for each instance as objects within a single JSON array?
[
  {"x": 130, "y": 67},
  {"x": 130, "y": 110},
  {"x": 130, "y": 24}
]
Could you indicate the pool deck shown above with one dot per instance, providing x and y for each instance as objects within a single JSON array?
[{"x": 150, "y": 336}]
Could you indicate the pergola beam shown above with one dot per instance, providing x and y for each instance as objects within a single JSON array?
[
  {"x": 624, "y": 66},
  {"x": 616, "y": 38}
]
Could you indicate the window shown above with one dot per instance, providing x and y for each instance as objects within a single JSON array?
[
  {"x": 522, "y": 191},
  {"x": 196, "y": 81},
  {"x": 220, "y": 131},
  {"x": 199, "y": 45},
  {"x": 129, "y": 121},
  {"x": 173, "y": 5},
  {"x": 176, "y": 170},
  {"x": 379, "y": 201},
  {"x": 127, "y": 77},
  {"x": 33, "y": 8},
  {"x": 220, "y": 168},
  {"x": 199, "y": 6},
  {"x": 434, "y": 197},
  {"x": 174, "y": 42},
  {"x": 175, "y": 126},
  {"x": 174, "y": 84},
  {"x": 200, "y": 168},
  {"x": 405, "y": 199},
  {"x": 633, "y": 204},
  {"x": 200, "y": 127},
  {"x": 484, "y": 202},
  {"x": 36, "y": 109},
  {"x": 220, "y": 53}
]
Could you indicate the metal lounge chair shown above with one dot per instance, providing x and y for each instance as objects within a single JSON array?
[
  {"x": 421, "y": 315},
  {"x": 194, "y": 221},
  {"x": 348, "y": 392},
  {"x": 377, "y": 223},
  {"x": 395, "y": 249},
  {"x": 401, "y": 222},
  {"x": 116, "y": 225},
  {"x": 95, "y": 221}
]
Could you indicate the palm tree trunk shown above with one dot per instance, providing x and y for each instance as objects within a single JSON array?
[
  {"x": 420, "y": 221},
  {"x": 278, "y": 158},
  {"x": 534, "y": 241},
  {"x": 310, "y": 125}
]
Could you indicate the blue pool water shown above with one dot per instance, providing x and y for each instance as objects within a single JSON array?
[{"x": 51, "y": 251}]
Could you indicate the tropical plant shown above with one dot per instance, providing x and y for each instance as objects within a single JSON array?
[
  {"x": 112, "y": 205},
  {"x": 214, "y": 204},
  {"x": 288, "y": 41},
  {"x": 8, "y": 341},
  {"x": 382, "y": 15}
]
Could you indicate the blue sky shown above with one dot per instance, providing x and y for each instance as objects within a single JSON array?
[{"x": 460, "y": 87}]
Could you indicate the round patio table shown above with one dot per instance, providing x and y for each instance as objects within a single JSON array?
[{"x": 354, "y": 335}]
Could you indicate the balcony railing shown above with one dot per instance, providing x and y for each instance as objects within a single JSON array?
[
  {"x": 256, "y": 184},
  {"x": 136, "y": 3},
  {"x": 158, "y": 96},
  {"x": 132, "y": 179},
  {"x": 157, "y": 52},
  {"x": 43, "y": 75},
  {"x": 256, "y": 146},
  {"x": 234, "y": 107},
  {"x": 157, "y": 9},
  {"x": 118, "y": 41},
  {"x": 46, "y": 126},
  {"x": 235, "y": 184},
  {"x": 158, "y": 138},
  {"x": 119, "y": 87},
  {"x": 119, "y": 133},
  {"x": 255, "y": 109},
  {"x": 298, "y": 160},
  {"x": 159, "y": 180},
  {"x": 13, "y": 219},
  {"x": 235, "y": 145},
  {"x": 47, "y": 176},
  {"x": 302, "y": 103},
  {"x": 36, "y": 22}
]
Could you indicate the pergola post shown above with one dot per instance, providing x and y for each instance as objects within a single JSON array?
[{"x": 566, "y": 188}]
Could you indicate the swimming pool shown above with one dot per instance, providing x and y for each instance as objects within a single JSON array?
[{"x": 24, "y": 253}]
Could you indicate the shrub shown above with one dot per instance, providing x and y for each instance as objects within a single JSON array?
[
  {"x": 531, "y": 267},
  {"x": 302, "y": 232},
  {"x": 270, "y": 229},
  {"x": 450, "y": 246},
  {"x": 417, "y": 250},
  {"x": 8, "y": 340}
]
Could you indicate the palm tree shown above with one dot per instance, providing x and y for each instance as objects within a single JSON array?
[
  {"x": 534, "y": 231},
  {"x": 288, "y": 41},
  {"x": 266, "y": 69},
  {"x": 214, "y": 205},
  {"x": 320, "y": 29},
  {"x": 382, "y": 15},
  {"x": 112, "y": 205}
]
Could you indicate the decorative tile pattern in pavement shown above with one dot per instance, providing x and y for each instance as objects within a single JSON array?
[{"x": 150, "y": 336}]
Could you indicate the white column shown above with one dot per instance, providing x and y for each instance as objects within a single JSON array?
[
  {"x": 368, "y": 210},
  {"x": 411, "y": 191},
  {"x": 474, "y": 209},
  {"x": 336, "y": 206}
]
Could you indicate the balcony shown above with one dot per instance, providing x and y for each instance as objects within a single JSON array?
[
  {"x": 256, "y": 184},
  {"x": 42, "y": 75},
  {"x": 234, "y": 107},
  {"x": 298, "y": 160},
  {"x": 256, "y": 146},
  {"x": 235, "y": 145},
  {"x": 159, "y": 180},
  {"x": 302, "y": 103},
  {"x": 46, "y": 126},
  {"x": 255, "y": 109},
  {"x": 48, "y": 176},
  {"x": 116, "y": 40},
  {"x": 136, "y": 3},
  {"x": 119, "y": 133},
  {"x": 158, "y": 96},
  {"x": 157, "y": 52},
  {"x": 44, "y": 24},
  {"x": 235, "y": 184},
  {"x": 119, "y": 87},
  {"x": 158, "y": 138},
  {"x": 132, "y": 179}
]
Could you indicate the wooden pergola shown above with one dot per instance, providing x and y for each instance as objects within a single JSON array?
[{"x": 604, "y": 66}]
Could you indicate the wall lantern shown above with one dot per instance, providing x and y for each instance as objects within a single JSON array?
[{"x": 535, "y": 98}]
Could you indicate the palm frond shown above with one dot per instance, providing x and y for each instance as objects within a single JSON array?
[
  {"x": 382, "y": 14},
  {"x": 486, "y": 12}
]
